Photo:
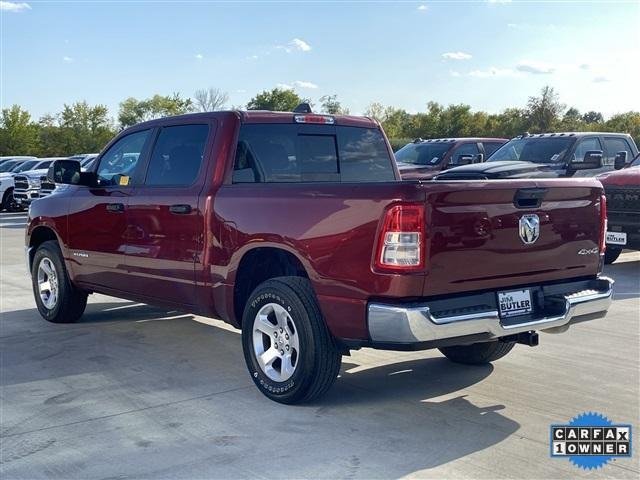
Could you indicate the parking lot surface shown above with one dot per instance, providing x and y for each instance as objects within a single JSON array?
[{"x": 134, "y": 391}]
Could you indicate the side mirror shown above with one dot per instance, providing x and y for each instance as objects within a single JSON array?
[
  {"x": 463, "y": 160},
  {"x": 68, "y": 172},
  {"x": 592, "y": 159},
  {"x": 620, "y": 160},
  {"x": 479, "y": 158}
]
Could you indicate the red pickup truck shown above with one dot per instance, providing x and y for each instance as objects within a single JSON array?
[{"x": 297, "y": 229}]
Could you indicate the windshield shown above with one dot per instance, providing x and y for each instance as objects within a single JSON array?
[
  {"x": 423, "y": 153},
  {"x": 24, "y": 166},
  {"x": 7, "y": 166},
  {"x": 636, "y": 162},
  {"x": 536, "y": 150}
]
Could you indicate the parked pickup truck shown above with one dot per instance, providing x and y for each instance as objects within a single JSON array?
[
  {"x": 296, "y": 228},
  {"x": 550, "y": 155},
  {"x": 622, "y": 189},
  {"x": 424, "y": 159},
  {"x": 28, "y": 185}
]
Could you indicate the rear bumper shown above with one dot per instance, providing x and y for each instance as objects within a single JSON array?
[{"x": 413, "y": 325}]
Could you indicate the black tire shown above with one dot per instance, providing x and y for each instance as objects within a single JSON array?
[
  {"x": 71, "y": 301},
  {"x": 9, "y": 203},
  {"x": 318, "y": 362},
  {"x": 611, "y": 255},
  {"x": 477, "y": 353}
]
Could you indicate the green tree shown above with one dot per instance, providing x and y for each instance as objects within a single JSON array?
[
  {"x": 628, "y": 122},
  {"x": 593, "y": 117},
  {"x": 276, "y": 100},
  {"x": 545, "y": 111},
  {"x": 134, "y": 111},
  {"x": 210, "y": 100},
  {"x": 375, "y": 110},
  {"x": 330, "y": 104},
  {"x": 572, "y": 120},
  {"x": 18, "y": 134}
]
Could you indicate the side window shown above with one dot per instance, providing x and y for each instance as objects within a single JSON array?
[
  {"x": 464, "y": 149},
  {"x": 585, "y": 145},
  {"x": 118, "y": 164},
  {"x": 612, "y": 146},
  {"x": 177, "y": 155},
  {"x": 363, "y": 155},
  {"x": 490, "y": 147}
]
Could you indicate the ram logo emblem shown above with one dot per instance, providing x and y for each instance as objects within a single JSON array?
[{"x": 529, "y": 228}]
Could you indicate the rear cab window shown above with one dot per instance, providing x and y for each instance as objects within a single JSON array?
[{"x": 293, "y": 153}]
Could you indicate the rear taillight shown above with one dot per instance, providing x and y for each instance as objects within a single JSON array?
[
  {"x": 603, "y": 224},
  {"x": 401, "y": 245}
]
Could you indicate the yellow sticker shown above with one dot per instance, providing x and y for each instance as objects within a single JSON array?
[{"x": 124, "y": 180}]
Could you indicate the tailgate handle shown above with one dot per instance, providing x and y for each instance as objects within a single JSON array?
[{"x": 529, "y": 197}]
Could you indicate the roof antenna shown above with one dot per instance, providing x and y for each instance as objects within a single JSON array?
[{"x": 303, "y": 108}]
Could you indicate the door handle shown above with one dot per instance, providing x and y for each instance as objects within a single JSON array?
[
  {"x": 115, "y": 207},
  {"x": 180, "y": 209}
]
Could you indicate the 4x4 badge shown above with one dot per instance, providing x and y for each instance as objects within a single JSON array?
[{"x": 529, "y": 228}]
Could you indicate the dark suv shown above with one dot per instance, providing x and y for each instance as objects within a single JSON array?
[
  {"x": 551, "y": 155},
  {"x": 424, "y": 159}
]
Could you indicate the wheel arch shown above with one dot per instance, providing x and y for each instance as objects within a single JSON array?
[
  {"x": 37, "y": 236},
  {"x": 258, "y": 265}
]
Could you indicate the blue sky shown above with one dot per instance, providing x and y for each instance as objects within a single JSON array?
[{"x": 489, "y": 54}]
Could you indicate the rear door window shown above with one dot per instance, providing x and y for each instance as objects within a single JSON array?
[
  {"x": 273, "y": 153},
  {"x": 464, "y": 149},
  {"x": 177, "y": 155},
  {"x": 490, "y": 147}
]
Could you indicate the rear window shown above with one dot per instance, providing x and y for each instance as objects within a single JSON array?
[{"x": 277, "y": 153}]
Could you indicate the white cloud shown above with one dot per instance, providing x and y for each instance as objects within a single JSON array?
[
  {"x": 456, "y": 56},
  {"x": 303, "y": 84},
  {"x": 294, "y": 45},
  {"x": 67, "y": 59},
  {"x": 584, "y": 66},
  {"x": 423, "y": 8},
  {"x": 513, "y": 25},
  {"x": 453, "y": 73},
  {"x": 14, "y": 6},
  {"x": 498, "y": 1},
  {"x": 600, "y": 79},
  {"x": 284, "y": 86},
  {"x": 537, "y": 68},
  {"x": 494, "y": 72},
  {"x": 199, "y": 56}
]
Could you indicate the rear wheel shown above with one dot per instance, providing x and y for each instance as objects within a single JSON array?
[
  {"x": 611, "y": 255},
  {"x": 9, "y": 203},
  {"x": 289, "y": 351},
  {"x": 477, "y": 353},
  {"x": 57, "y": 299}
]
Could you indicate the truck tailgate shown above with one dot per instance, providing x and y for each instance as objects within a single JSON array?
[{"x": 474, "y": 238}]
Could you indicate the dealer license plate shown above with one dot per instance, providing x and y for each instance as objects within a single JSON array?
[
  {"x": 617, "y": 238},
  {"x": 514, "y": 302}
]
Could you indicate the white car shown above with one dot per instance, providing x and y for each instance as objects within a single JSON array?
[
  {"x": 7, "y": 167},
  {"x": 28, "y": 182}
]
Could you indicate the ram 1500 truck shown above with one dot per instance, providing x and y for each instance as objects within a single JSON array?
[
  {"x": 297, "y": 229},
  {"x": 622, "y": 189}
]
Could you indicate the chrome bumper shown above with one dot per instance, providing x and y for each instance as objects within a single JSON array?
[{"x": 416, "y": 324}]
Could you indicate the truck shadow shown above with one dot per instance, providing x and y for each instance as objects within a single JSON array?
[
  {"x": 627, "y": 277},
  {"x": 387, "y": 420}
]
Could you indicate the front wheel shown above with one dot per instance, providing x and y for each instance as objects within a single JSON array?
[
  {"x": 289, "y": 351},
  {"x": 477, "y": 353},
  {"x": 611, "y": 255},
  {"x": 57, "y": 299}
]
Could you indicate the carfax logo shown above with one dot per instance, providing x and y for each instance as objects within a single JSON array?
[{"x": 590, "y": 440}]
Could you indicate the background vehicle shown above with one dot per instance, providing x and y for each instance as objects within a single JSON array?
[
  {"x": 622, "y": 188},
  {"x": 297, "y": 229},
  {"x": 550, "y": 155},
  {"x": 426, "y": 158},
  {"x": 28, "y": 183},
  {"x": 8, "y": 164}
]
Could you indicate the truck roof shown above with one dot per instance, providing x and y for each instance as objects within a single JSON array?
[
  {"x": 459, "y": 139},
  {"x": 570, "y": 134},
  {"x": 265, "y": 116}
]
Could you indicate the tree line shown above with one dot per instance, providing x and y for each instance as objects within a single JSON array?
[{"x": 81, "y": 127}]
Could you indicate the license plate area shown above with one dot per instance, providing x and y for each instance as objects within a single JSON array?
[
  {"x": 616, "y": 238},
  {"x": 514, "y": 303}
]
